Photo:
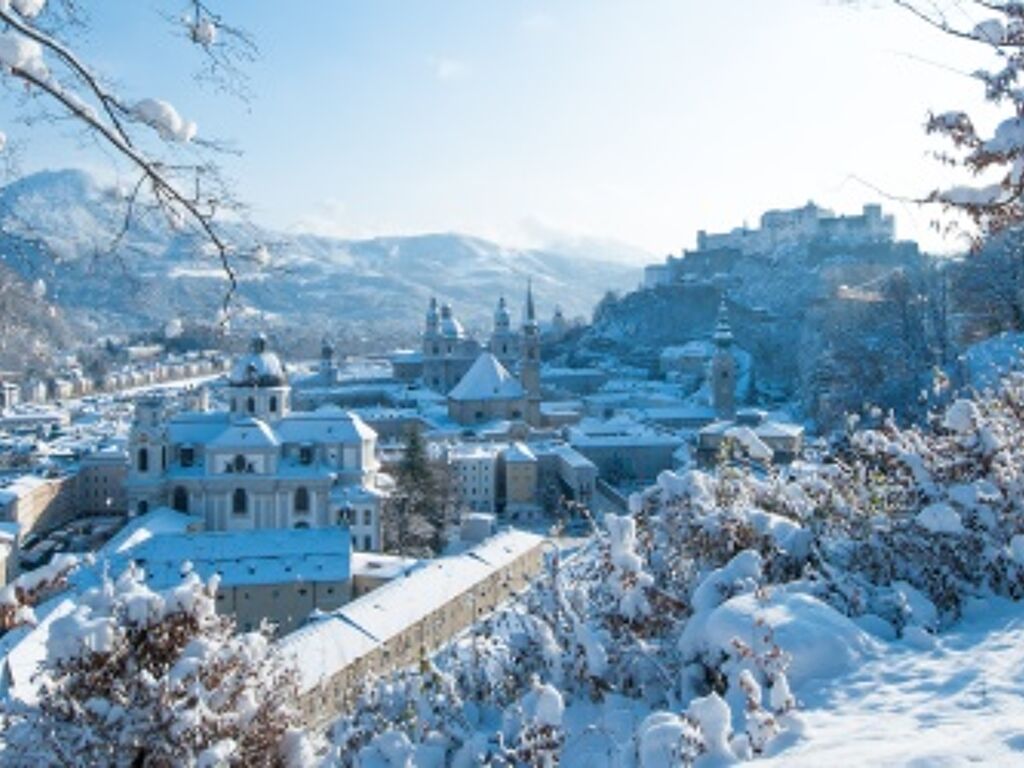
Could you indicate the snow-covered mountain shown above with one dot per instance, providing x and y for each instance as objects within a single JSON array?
[{"x": 60, "y": 227}]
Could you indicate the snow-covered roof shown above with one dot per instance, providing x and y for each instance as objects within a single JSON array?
[
  {"x": 487, "y": 379},
  {"x": 519, "y": 453},
  {"x": 328, "y": 424},
  {"x": 266, "y": 556},
  {"x": 246, "y": 433},
  {"x": 194, "y": 427},
  {"x": 161, "y": 520},
  {"x": 321, "y": 649}
]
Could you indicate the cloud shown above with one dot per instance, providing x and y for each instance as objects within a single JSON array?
[{"x": 447, "y": 68}]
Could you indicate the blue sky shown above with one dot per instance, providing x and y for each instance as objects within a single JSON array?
[{"x": 529, "y": 123}]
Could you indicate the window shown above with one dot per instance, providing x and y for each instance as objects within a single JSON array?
[
  {"x": 301, "y": 500},
  {"x": 239, "y": 502},
  {"x": 187, "y": 454},
  {"x": 143, "y": 460},
  {"x": 306, "y": 454},
  {"x": 345, "y": 516},
  {"x": 234, "y": 404},
  {"x": 250, "y": 405},
  {"x": 273, "y": 403},
  {"x": 302, "y": 524},
  {"x": 367, "y": 517},
  {"x": 240, "y": 463},
  {"x": 180, "y": 502},
  {"x": 143, "y": 507},
  {"x": 367, "y": 543}
]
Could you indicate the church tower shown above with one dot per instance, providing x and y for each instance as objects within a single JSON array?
[
  {"x": 503, "y": 344},
  {"x": 723, "y": 368},
  {"x": 258, "y": 385},
  {"x": 147, "y": 455},
  {"x": 529, "y": 369}
]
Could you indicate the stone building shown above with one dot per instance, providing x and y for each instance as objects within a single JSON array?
[{"x": 258, "y": 465}]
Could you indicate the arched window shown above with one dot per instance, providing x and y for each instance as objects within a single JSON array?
[
  {"x": 301, "y": 500},
  {"x": 143, "y": 462},
  {"x": 250, "y": 405},
  {"x": 239, "y": 502},
  {"x": 240, "y": 463},
  {"x": 273, "y": 403},
  {"x": 180, "y": 501}
]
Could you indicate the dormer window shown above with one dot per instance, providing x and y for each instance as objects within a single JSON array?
[
  {"x": 240, "y": 463},
  {"x": 305, "y": 454}
]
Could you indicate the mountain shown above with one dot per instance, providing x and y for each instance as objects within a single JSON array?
[{"x": 61, "y": 227}]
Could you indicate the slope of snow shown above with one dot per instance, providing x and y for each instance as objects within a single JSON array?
[{"x": 959, "y": 703}]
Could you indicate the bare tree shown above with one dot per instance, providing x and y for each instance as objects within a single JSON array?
[
  {"x": 992, "y": 196},
  {"x": 174, "y": 165}
]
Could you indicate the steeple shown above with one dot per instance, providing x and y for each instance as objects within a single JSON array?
[
  {"x": 723, "y": 330},
  {"x": 531, "y": 311},
  {"x": 529, "y": 367},
  {"x": 723, "y": 367}
]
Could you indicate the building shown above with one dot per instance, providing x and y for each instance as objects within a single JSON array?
[
  {"x": 624, "y": 451},
  {"x": 488, "y": 392},
  {"x": 101, "y": 482},
  {"x": 264, "y": 575},
  {"x": 38, "y": 503},
  {"x": 474, "y": 476},
  {"x": 760, "y": 438},
  {"x": 448, "y": 352},
  {"x": 400, "y": 623},
  {"x": 521, "y": 470},
  {"x": 258, "y": 465}
]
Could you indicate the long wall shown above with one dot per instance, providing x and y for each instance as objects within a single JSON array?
[{"x": 400, "y": 623}]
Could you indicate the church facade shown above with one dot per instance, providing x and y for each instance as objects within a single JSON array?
[{"x": 258, "y": 465}]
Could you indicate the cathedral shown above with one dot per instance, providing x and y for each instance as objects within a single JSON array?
[
  {"x": 258, "y": 465},
  {"x": 478, "y": 380}
]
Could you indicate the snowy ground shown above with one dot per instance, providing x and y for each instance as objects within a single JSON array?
[{"x": 959, "y": 703}]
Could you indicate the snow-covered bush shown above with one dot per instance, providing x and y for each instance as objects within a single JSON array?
[
  {"x": 29, "y": 588},
  {"x": 136, "y": 676}
]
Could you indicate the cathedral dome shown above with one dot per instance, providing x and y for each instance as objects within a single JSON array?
[
  {"x": 258, "y": 368},
  {"x": 451, "y": 328}
]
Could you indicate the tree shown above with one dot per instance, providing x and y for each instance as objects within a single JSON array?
[
  {"x": 996, "y": 203},
  {"x": 174, "y": 165},
  {"x": 141, "y": 677},
  {"x": 416, "y": 515}
]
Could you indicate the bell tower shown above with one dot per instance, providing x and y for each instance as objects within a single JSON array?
[
  {"x": 723, "y": 367},
  {"x": 529, "y": 368}
]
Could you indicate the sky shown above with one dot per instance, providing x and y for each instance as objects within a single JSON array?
[{"x": 572, "y": 122}]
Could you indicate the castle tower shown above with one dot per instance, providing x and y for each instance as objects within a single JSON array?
[
  {"x": 258, "y": 385},
  {"x": 147, "y": 456},
  {"x": 723, "y": 368},
  {"x": 529, "y": 369}
]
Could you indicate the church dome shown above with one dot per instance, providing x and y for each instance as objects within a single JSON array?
[
  {"x": 258, "y": 368},
  {"x": 451, "y": 328}
]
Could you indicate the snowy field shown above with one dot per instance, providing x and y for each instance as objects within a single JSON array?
[{"x": 958, "y": 703}]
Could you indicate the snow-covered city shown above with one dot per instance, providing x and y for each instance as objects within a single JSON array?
[{"x": 574, "y": 383}]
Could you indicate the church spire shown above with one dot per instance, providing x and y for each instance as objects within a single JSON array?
[{"x": 531, "y": 311}]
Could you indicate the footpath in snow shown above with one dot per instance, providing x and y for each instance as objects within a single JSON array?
[{"x": 960, "y": 702}]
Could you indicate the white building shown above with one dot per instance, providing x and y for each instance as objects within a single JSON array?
[
  {"x": 258, "y": 465},
  {"x": 474, "y": 473}
]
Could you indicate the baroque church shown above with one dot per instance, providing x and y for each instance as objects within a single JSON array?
[
  {"x": 258, "y": 465},
  {"x": 477, "y": 379}
]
